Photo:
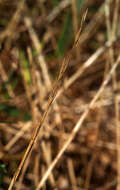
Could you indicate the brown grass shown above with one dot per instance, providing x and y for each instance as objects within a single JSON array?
[{"x": 72, "y": 138}]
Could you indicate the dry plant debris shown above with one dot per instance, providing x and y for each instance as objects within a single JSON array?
[{"x": 59, "y": 106}]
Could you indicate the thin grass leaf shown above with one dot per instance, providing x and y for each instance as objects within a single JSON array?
[
  {"x": 25, "y": 67},
  {"x": 67, "y": 31}
]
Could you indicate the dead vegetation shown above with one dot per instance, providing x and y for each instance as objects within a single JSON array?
[{"x": 59, "y": 95}]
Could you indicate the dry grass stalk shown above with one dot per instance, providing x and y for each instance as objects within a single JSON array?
[
  {"x": 13, "y": 23},
  {"x": 75, "y": 23},
  {"x": 117, "y": 112},
  {"x": 95, "y": 23},
  {"x": 19, "y": 134},
  {"x": 39, "y": 125},
  {"x": 23, "y": 173},
  {"x": 112, "y": 31},
  {"x": 62, "y": 5},
  {"x": 36, "y": 168},
  {"x": 92, "y": 161},
  {"x": 72, "y": 174},
  {"x": 47, "y": 155}
]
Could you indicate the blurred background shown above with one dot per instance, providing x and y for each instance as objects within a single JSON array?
[{"x": 35, "y": 37}]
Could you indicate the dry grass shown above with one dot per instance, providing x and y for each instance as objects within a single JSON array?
[{"x": 71, "y": 137}]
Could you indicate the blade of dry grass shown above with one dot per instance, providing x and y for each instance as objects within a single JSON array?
[
  {"x": 92, "y": 160},
  {"x": 117, "y": 112},
  {"x": 115, "y": 17},
  {"x": 111, "y": 31},
  {"x": 75, "y": 25},
  {"x": 95, "y": 23},
  {"x": 54, "y": 13},
  {"x": 23, "y": 173},
  {"x": 39, "y": 125},
  {"x": 116, "y": 99},
  {"x": 18, "y": 135},
  {"x": 14, "y": 21},
  {"x": 47, "y": 155},
  {"x": 72, "y": 174}
]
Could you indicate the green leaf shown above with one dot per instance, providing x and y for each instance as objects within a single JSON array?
[
  {"x": 66, "y": 34},
  {"x": 33, "y": 188},
  {"x": 27, "y": 117},
  {"x": 11, "y": 111},
  {"x": 15, "y": 82},
  {"x": 79, "y": 4},
  {"x": 3, "y": 171},
  {"x": 2, "y": 106},
  {"x": 14, "y": 112},
  {"x": 56, "y": 2},
  {"x": 12, "y": 81},
  {"x": 25, "y": 67},
  {"x": 6, "y": 96},
  {"x": 67, "y": 30}
]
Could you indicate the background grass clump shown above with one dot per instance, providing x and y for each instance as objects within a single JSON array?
[{"x": 37, "y": 39}]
